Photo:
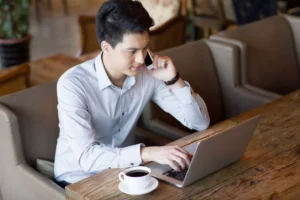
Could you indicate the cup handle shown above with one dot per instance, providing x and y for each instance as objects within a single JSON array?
[{"x": 121, "y": 177}]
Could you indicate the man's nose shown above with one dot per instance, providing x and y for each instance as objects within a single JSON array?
[{"x": 139, "y": 58}]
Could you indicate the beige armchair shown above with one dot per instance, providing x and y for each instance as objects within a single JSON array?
[
  {"x": 199, "y": 63},
  {"x": 29, "y": 130},
  {"x": 268, "y": 58}
]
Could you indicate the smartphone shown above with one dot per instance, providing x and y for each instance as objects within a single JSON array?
[{"x": 149, "y": 61}]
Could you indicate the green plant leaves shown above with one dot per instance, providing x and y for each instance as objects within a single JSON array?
[{"x": 14, "y": 18}]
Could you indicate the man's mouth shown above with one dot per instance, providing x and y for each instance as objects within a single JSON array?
[{"x": 136, "y": 67}]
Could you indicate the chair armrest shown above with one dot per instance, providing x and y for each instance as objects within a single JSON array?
[
  {"x": 265, "y": 95},
  {"x": 243, "y": 99},
  {"x": 37, "y": 185},
  {"x": 294, "y": 23}
]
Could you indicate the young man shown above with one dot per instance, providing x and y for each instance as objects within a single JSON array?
[{"x": 100, "y": 101}]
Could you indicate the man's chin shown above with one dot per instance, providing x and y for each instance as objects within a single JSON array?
[{"x": 133, "y": 73}]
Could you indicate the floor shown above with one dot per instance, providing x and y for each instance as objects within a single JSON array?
[{"x": 55, "y": 32}]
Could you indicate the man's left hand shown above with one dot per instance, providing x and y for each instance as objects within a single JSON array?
[{"x": 163, "y": 68}]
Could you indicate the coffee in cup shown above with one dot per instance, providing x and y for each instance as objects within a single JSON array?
[{"x": 136, "y": 178}]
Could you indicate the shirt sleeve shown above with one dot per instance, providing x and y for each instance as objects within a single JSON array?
[
  {"x": 183, "y": 104},
  {"x": 75, "y": 120}
]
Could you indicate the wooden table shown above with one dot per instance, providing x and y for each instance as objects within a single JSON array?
[
  {"x": 269, "y": 169},
  {"x": 51, "y": 68}
]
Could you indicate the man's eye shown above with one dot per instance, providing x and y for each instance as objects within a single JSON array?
[{"x": 132, "y": 52}]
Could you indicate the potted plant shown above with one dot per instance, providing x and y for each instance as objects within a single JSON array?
[{"x": 14, "y": 32}]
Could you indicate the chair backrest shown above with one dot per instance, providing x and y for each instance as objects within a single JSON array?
[
  {"x": 14, "y": 79},
  {"x": 252, "y": 10},
  {"x": 88, "y": 37},
  {"x": 195, "y": 64},
  {"x": 168, "y": 35},
  {"x": 269, "y": 53},
  {"x": 36, "y": 119}
]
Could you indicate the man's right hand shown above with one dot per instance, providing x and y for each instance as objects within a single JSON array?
[{"x": 167, "y": 155}]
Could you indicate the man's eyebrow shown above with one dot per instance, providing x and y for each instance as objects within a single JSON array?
[
  {"x": 132, "y": 48},
  {"x": 135, "y": 49}
]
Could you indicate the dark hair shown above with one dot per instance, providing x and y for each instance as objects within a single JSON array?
[{"x": 118, "y": 17}]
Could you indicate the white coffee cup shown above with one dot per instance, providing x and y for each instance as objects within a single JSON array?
[{"x": 136, "y": 178}]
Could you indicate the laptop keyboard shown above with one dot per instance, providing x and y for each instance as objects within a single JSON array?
[{"x": 178, "y": 175}]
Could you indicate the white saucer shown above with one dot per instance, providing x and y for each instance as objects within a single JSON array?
[{"x": 152, "y": 186}]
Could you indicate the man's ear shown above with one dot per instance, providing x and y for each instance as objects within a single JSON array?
[{"x": 106, "y": 47}]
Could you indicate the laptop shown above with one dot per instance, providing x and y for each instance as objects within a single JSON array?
[{"x": 209, "y": 155}]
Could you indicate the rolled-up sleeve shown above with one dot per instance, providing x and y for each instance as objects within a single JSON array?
[
  {"x": 183, "y": 104},
  {"x": 75, "y": 121}
]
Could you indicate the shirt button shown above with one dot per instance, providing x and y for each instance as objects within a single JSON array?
[
  {"x": 122, "y": 113},
  {"x": 119, "y": 130},
  {"x": 132, "y": 164}
]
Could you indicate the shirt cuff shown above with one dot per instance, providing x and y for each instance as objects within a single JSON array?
[
  {"x": 132, "y": 155},
  {"x": 184, "y": 95}
]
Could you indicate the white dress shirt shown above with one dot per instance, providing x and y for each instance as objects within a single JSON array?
[{"x": 96, "y": 118}]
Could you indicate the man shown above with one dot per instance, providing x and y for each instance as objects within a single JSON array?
[{"x": 100, "y": 101}]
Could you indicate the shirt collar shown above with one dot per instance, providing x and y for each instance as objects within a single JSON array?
[{"x": 103, "y": 79}]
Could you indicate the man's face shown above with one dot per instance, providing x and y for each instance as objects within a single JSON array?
[{"x": 128, "y": 56}]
